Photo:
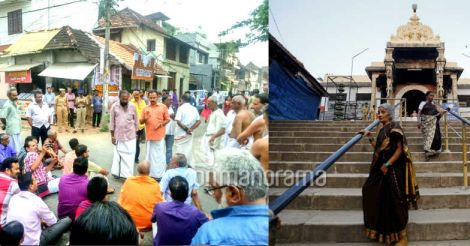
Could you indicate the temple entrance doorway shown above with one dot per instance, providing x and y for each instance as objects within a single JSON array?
[{"x": 413, "y": 99}]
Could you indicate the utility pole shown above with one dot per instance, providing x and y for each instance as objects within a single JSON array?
[{"x": 106, "y": 56}]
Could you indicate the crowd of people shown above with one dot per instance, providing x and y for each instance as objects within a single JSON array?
[{"x": 162, "y": 196}]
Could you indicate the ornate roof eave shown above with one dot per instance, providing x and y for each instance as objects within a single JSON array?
[
  {"x": 374, "y": 68},
  {"x": 414, "y": 34}
]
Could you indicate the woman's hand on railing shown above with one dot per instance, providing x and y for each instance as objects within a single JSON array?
[{"x": 364, "y": 132}]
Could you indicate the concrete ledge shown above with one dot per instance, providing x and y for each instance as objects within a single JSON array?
[
  {"x": 363, "y": 167},
  {"x": 347, "y": 226},
  {"x": 351, "y": 199}
]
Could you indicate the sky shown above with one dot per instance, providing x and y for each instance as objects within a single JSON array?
[
  {"x": 213, "y": 16},
  {"x": 325, "y": 35}
]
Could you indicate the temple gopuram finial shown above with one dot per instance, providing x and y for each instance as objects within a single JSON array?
[{"x": 415, "y": 7}]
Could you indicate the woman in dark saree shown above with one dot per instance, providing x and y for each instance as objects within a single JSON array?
[
  {"x": 391, "y": 188},
  {"x": 428, "y": 120}
]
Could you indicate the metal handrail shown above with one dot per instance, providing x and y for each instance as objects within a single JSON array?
[
  {"x": 464, "y": 146},
  {"x": 289, "y": 195}
]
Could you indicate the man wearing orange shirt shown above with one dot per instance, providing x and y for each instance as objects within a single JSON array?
[
  {"x": 139, "y": 194},
  {"x": 155, "y": 117}
]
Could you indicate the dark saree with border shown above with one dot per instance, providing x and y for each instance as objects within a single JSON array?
[{"x": 387, "y": 198}]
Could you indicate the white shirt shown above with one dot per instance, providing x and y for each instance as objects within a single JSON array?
[
  {"x": 170, "y": 127},
  {"x": 230, "y": 142},
  {"x": 29, "y": 209},
  {"x": 216, "y": 121},
  {"x": 221, "y": 99},
  {"x": 39, "y": 115},
  {"x": 187, "y": 114}
]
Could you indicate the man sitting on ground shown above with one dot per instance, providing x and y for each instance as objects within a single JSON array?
[
  {"x": 96, "y": 191},
  {"x": 179, "y": 167},
  {"x": 73, "y": 189},
  {"x": 9, "y": 171},
  {"x": 177, "y": 222},
  {"x": 31, "y": 211},
  {"x": 5, "y": 149},
  {"x": 139, "y": 194},
  {"x": 104, "y": 223},
  {"x": 52, "y": 143},
  {"x": 33, "y": 162}
]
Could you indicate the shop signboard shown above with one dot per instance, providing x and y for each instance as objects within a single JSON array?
[
  {"x": 143, "y": 67},
  {"x": 14, "y": 77}
]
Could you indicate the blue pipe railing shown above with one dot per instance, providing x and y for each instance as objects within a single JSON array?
[
  {"x": 458, "y": 117},
  {"x": 289, "y": 195}
]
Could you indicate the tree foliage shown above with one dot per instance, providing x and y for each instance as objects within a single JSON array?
[
  {"x": 107, "y": 5},
  {"x": 258, "y": 24}
]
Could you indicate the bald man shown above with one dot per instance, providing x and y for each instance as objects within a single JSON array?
[
  {"x": 139, "y": 194},
  {"x": 242, "y": 120}
]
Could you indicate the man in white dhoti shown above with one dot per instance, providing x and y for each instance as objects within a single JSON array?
[
  {"x": 211, "y": 144},
  {"x": 187, "y": 119},
  {"x": 10, "y": 117},
  {"x": 123, "y": 126},
  {"x": 155, "y": 117}
]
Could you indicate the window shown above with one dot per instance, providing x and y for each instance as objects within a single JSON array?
[
  {"x": 15, "y": 22},
  {"x": 184, "y": 55},
  {"x": 170, "y": 50},
  {"x": 150, "y": 44},
  {"x": 201, "y": 57}
]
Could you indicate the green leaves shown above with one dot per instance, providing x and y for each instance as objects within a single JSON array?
[
  {"x": 258, "y": 24},
  {"x": 107, "y": 5}
]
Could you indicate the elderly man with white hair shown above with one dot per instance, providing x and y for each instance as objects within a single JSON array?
[
  {"x": 211, "y": 141},
  {"x": 241, "y": 121},
  {"x": 240, "y": 186}
]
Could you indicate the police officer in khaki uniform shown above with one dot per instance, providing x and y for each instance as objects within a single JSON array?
[
  {"x": 81, "y": 103},
  {"x": 61, "y": 110}
]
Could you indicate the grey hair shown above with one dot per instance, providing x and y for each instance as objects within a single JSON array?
[
  {"x": 213, "y": 98},
  {"x": 181, "y": 160},
  {"x": 239, "y": 99},
  {"x": 51, "y": 132},
  {"x": 389, "y": 109},
  {"x": 9, "y": 91},
  {"x": 238, "y": 167}
]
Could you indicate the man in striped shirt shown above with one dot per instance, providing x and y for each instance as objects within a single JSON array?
[{"x": 9, "y": 171}]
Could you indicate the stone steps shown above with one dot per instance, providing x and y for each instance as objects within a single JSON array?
[
  {"x": 360, "y": 147},
  {"x": 415, "y": 243},
  {"x": 343, "y": 140},
  {"x": 352, "y": 156},
  {"x": 344, "y": 128},
  {"x": 305, "y": 226},
  {"x": 356, "y": 180},
  {"x": 363, "y": 167},
  {"x": 351, "y": 198},
  {"x": 316, "y": 133},
  {"x": 330, "y": 211}
]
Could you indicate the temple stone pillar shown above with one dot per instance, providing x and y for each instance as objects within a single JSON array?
[
  {"x": 453, "y": 77},
  {"x": 389, "y": 73},
  {"x": 440, "y": 63},
  {"x": 373, "y": 91}
]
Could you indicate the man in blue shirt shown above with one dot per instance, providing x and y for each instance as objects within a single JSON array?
[
  {"x": 179, "y": 167},
  {"x": 239, "y": 185},
  {"x": 97, "y": 109},
  {"x": 5, "y": 149}
]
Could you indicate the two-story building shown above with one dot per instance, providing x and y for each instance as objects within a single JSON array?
[
  {"x": 203, "y": 72},
  {"x": 147, "y": 35}
]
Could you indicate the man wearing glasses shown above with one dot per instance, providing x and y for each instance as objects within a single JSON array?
[{"x": 240, "y": 187}]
